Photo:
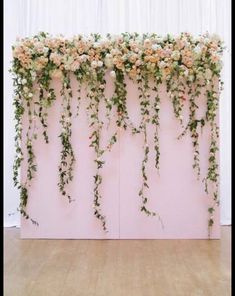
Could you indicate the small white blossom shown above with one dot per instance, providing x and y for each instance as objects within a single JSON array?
[
  {"x": 94, "y": 64},
  {"x": 155, "y": 46},
  {"x": 113, "y": 74},
  {"x": 186, "y": 73},
  {"x": 162, "y": 64},
  {"x": 25, "y": 89},
  {"x": 208, "y": 74},
  {"x": 96, "y": 45},
  {"x": 175, "y": 55},
  {"x": 99, "y": 63},
  {"x": 190, "y": 78}
]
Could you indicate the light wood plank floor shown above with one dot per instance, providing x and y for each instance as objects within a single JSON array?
[{"x": 116, "y": 267}]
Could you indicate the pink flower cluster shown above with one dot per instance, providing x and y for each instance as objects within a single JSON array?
[{"x": 182, "y": 55}]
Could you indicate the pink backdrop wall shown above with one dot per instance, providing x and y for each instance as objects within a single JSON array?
[{"x": 175, "y": 194}]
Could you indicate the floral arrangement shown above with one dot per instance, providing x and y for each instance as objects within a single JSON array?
[{"x": 188, "y": 66}]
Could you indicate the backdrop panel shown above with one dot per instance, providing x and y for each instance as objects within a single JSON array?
[{"x": 175, "y": 193}]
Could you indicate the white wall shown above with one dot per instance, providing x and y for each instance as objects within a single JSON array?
[{"x": 69, "y": 17}]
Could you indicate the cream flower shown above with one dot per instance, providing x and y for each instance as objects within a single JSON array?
[
  {"x": 147, "y": 43},
  {"x": 113, "y": 74},
  {"x": 94, "y": 64},
  {"x": 208, "y": 74},
  {"x": 99, "y": 63},
  {"x": 175, "y": 55}
]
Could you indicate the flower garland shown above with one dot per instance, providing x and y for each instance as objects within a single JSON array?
[{"x": 186, "y": 65}]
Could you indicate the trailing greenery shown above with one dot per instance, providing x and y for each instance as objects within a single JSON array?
[{"x": 67, "y": 154}]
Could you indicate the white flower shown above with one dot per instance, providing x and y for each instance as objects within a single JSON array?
[
  {"x": 147, "y": 43},
  {"x": 30, "y": 95},
  {"x": 113, "y": 74},
  {"x": 197, "y": 49},
  {"x": 94, "y": 64},
  {"x": 99, "y": 63},
  {"x": 208, "y": 74},
  {"x": 25, "y": 89},
  {"x": 190, "y": 78},
  {"x": 138, "y": 63},
  {"x": 175, "y": 55},
  {"x": 96, "y": 45},
  {"x": 155, "y": 46},
  {"x": 83, "y": 58},
  {"x": 200, "y": 75},
  {"x": 162, "y": 64},
  {"x": 159, "y": 39},
  {"x": 45, "y": 51},
  {"x": 24, "y": 81},
  {"x": 104, "y": 42},
  {"x": 219, "y": 66},
  {"x": 186, "y": 73},
  {"x": 33, "y": 75},
  {"x": 114, "y": 51},
  {"x": 108, "y": 61}
]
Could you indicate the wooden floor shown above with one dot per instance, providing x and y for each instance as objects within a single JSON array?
[{"x": 116, "y": 267}]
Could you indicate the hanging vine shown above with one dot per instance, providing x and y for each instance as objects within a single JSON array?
[
  {"x": 213, "y": 167},
  {"x": 67, "y": 154},
  {"x": 46, "y": 98},
  {"x": 193, "y": 125},
  {"x": 95, "y": 94},
  {"x": 155, "y": 120},
  {"x": 23, "y": 101},
  {"x": 143, "y": 86}
]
